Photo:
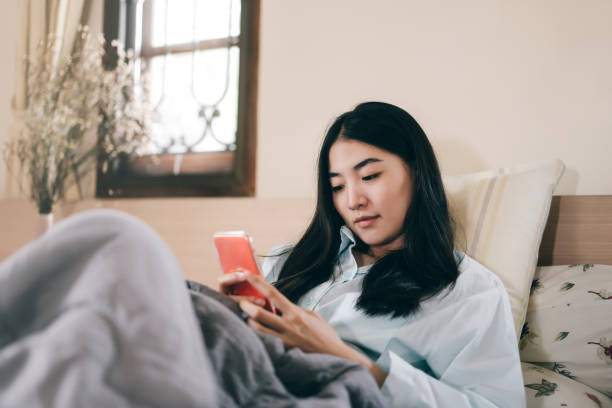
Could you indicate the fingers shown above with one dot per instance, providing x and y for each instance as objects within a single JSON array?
[
  {"x": 260, "y": 327},
  {"x": 226, "y": 281},
  {"x": 258, "y": 301},
  {"x": 263, "y": 317},
  {"x": 278, "y": 299}
]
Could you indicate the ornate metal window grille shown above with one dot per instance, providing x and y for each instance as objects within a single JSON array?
[{"x": 202, "y": 59}]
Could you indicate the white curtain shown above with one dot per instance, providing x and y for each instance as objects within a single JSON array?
[{"x": 38, "y": 19}]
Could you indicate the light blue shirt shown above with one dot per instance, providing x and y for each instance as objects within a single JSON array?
[{"x": 458, "y": 350}]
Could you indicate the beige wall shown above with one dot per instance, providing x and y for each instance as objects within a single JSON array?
[{"x": 493, "y": 83}]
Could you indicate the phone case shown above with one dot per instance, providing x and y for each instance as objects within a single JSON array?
[{"x": 235, "y": 251}]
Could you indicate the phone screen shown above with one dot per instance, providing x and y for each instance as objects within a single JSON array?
[{"x": 235, "y": 252}]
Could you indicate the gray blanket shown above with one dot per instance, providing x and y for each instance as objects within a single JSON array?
[{"x": 95, "y": 314}]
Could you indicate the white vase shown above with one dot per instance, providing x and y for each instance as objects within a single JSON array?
[{"x": 43, "y": 223}]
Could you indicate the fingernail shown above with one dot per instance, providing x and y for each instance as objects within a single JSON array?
[
  {"x": 240, "y": 275},
  {"x": 260, "y": 302}
]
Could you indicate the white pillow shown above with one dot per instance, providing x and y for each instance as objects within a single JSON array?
[
  {"x": 548, "y": 389},
  {"x": 568, "y": 323},
  {"x": 500, "y": 218}
]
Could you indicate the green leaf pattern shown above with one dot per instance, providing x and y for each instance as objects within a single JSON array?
[
  {"x": 545, "y": 388},
  {"x": 603, "y": 347},
  {"x": 559, "y": 369}
]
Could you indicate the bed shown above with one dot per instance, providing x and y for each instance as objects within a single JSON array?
[
  {"x": 567, "y": 327},
  {"x": 578, "y": 232}
]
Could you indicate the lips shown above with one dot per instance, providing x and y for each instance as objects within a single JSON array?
[{"x": 364, "y": 222}]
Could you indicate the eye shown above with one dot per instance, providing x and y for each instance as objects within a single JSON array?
[
  {"x": 335, "y": 189},
  {"x": 370, "y": 177}
]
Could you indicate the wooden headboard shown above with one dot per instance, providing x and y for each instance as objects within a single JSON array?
[{"x": 579, "y": 230}]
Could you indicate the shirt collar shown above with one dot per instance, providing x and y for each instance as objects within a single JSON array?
[{"x": 347, "y": 239}]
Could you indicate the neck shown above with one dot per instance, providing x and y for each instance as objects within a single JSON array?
[
  {"x": 364, "y": 259},
  {"x": 376, "y": 252}
]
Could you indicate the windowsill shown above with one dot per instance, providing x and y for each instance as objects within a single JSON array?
[{"x": 188, "y": 163}]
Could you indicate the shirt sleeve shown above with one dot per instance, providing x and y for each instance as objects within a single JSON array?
[
  {"x": 274, "y": 261},
  {"x": 469, "y": 357}
]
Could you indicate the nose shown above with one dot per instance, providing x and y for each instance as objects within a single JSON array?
[{"x": 355, "y": 198}]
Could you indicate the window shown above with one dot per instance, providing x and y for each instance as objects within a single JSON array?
[{"x": 201, "y": 59}]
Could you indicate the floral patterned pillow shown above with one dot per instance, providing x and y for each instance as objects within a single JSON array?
[
  {"x": 545, "y": 388},
  {"x": 568, "y": 328}
]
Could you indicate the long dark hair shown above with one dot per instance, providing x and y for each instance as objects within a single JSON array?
[{"x": 397, "y": 283}]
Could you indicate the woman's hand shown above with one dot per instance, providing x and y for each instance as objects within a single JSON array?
[
  {"x": 227, "y": 281},
  {"x": 296, "y": 326},
  {"x": 301, "y": 328}
]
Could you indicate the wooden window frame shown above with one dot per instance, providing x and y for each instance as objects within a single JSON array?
[{"x": 211, "y": 174}]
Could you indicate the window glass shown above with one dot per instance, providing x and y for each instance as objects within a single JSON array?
[
  {"x": 211, "y": 20},
  {"x": 185, "y": 89}
]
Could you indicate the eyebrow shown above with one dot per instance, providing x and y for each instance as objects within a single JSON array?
[{"x": 358, "y": 165}]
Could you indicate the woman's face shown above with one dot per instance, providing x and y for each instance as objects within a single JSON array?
[{"x": 372, "y": 190}]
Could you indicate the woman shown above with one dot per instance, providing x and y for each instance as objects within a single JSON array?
[{"x": 375, "y": 278}]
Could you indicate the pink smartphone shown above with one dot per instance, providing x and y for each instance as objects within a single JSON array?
[{"x": 235, "y": 251}]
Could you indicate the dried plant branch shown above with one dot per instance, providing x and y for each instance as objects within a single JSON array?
[{"x": 77, "y": 113}]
